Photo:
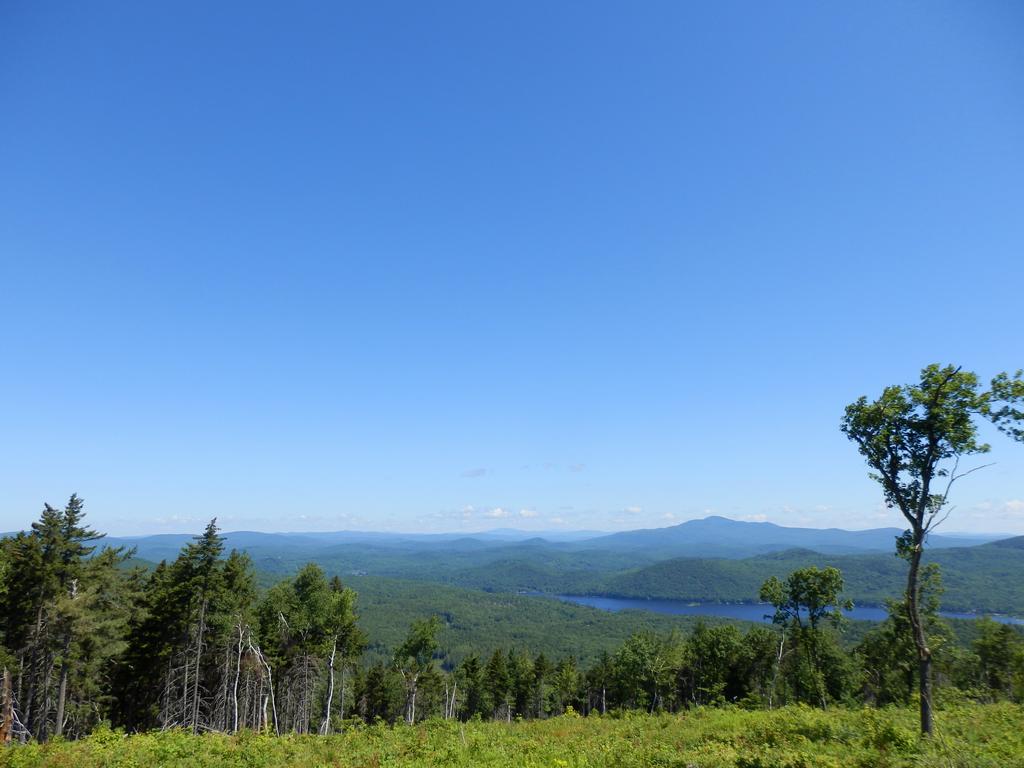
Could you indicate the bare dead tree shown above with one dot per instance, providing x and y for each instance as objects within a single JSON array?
[
  {"x": 238, "y": 671},
  {"x": 255, "y": 649},
  {"x": 325, "y": 726}
]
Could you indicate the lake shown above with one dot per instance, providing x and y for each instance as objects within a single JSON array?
[{"x": 745, "y": 611}]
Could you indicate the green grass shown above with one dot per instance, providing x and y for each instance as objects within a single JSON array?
[{"x": 969, "y": 736}]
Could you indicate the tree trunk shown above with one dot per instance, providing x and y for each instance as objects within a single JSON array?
[
  {"x": 6, "y": 709},
  {"x": 270, "y": 686},
  {"x": 341, "y": 714},
  {"x": 238, "y": 670},
  {"x": 43, "y": 709},
  {"x": 187, "y": 664},
  {"x": 33, "y": 671},
  {"x": 325, "y": 727},
  {"x": 199, "y": 659},
  {"x": 411, "y": 681},
  {"x": 924, "y": 653},
  {"x": 225, "y": 711},
  {"x": 62, "y": 688},
  {"x": 925, "y": 674},
  {"x": 65, "y": 666}
]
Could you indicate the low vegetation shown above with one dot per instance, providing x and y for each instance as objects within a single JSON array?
[{"x": 968, "y": 736}]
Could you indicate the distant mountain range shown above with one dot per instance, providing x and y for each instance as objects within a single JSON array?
[
  {"x": 708, "y": 537},
  {"x": 721, "y": 537}
]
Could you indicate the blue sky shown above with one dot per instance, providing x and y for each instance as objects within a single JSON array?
[{"x": 414, "y": 266}]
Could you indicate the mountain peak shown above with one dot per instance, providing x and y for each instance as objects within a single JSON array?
[{"x": 718, "y": 519}]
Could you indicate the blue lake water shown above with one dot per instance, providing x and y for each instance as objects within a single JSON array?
[{"x": 745, "y": 611}]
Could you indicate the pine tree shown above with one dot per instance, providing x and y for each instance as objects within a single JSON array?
[
  {"x": 498, "y": 685},
  {"x": 187, "y": 639},
  {"x": 542, "y": 670},
  {"x": 469, "y": 676},
  {"x": 43, "y": 580}
]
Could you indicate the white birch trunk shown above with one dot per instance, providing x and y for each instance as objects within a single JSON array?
[{"x": 325, "y": 726}]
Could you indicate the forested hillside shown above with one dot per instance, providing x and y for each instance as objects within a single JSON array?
[
  {"x": 984, "y": 578},
  {"x": 479, "y": 622}
]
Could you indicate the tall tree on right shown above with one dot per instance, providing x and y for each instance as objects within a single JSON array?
[{"x": 913, "y": 437}]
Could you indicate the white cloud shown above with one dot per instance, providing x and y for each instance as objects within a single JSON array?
[
  {"x": 669, "y": 516},
  {"x": 1011, "y": 511},
  {"x": 633, "y": 510},
  {"x": 497, "y": 513},
  {"x": 758, "y": 518},
  {"x": 527, "y": 513}
]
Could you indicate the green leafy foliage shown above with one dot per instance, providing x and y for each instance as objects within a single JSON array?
[{"x": 809, "y": 594}]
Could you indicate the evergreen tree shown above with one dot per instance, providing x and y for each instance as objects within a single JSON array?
[
  {"x": 186, "y": 640},
  {"x": 381, "y": 695},
  {"x": 498, "y": 685},
  {"x": 542, "y": 669},
  {"x": 47, "y": 573},
  {"x": 470, "y": 678},
  {"x": 520, "y": 676}
]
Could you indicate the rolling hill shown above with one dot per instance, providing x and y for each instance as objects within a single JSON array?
[{"x": 985, "y": 578}]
